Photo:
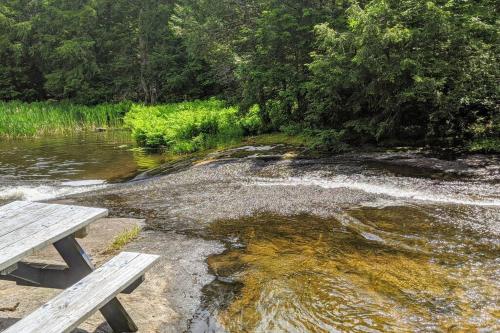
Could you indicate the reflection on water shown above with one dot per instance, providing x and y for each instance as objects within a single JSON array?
[
  {"x": 89, "y": 155},
  {"x": 411, "y": 272},
  {"x": 47, "y": 167},
  {"x": 404, "y": 248}
]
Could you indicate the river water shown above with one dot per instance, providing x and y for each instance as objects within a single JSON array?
[
  {"x": 50, "y": 167},
  {"x": 372, "y": 242}
]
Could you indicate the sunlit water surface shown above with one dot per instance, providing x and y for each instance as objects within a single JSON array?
[
  {"x": 422, "y": 255},
  {"x": 355, "y": 243},
  {"x": 50, "y": 167}
]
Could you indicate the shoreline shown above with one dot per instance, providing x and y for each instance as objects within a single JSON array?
[{"x": 179, "y": 204}]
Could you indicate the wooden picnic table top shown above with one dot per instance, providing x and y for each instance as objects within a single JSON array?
[{"x": 26, "y": 227}]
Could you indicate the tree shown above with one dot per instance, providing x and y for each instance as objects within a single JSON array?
[
  {"x": 19, "y": 75},
  {"x": 403, "y": 68},
  {"x": 369, "y": 70}
]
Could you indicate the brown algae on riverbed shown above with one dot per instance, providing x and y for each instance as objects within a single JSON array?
[
  {"x": 414, "y": 259},
  {"x": 310, "y": 274}
]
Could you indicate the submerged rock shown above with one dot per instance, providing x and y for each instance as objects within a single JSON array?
[{"x": 431, "y": 223}]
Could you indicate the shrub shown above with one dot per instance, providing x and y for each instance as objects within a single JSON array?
[
  {"x": 251, "y": 123},
  {"x": 187, "y": 126},
  {"x": 329, "y": 141},
  {"x": 488, "y": 146}
]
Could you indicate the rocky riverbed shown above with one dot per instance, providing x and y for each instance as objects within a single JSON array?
[
  {"x": 266, "y": 239},
  {"x": 357, "y": 223}
]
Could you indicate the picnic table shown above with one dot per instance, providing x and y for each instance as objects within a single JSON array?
[{"x": 26, "y": 227}]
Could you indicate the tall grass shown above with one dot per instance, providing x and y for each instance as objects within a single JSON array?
[
  {"x": 178, "y": 127},
  {"x": 189, "y": 126},
  {"x": 18, "y": 119}
]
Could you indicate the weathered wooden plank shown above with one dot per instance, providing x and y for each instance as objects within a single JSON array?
[
  {"x": 11, "y": 213},
  {"x": 24, "y": 217},
  {"x": 40, "y": 225},
  {"x": 13, "y": 206},
  {"x": 80, "y": 266},
  {"x": 47, "y": 217},
  {"x": 20, "y": 213},
  {"x": 70, "y": 308}
]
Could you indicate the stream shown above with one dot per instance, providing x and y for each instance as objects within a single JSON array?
[
  {"x": 50, "y": 167},
  {"x": 361, "y": 242}
]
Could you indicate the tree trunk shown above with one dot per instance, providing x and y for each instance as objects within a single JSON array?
[{"x": 143, "y": 61}]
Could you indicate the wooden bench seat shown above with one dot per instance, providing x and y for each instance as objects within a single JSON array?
[{"x": 70, "y": 308}]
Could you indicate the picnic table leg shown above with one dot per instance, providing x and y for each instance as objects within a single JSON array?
[
  {"x": 76, "y": 258},
  {"x": 117, "y": 317}
]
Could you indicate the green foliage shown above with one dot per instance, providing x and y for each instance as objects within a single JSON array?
[
  {"x": 275, "y": 138},
  {"x": 122, "y": 239},
  {"x": 276, "y": 52},
  {"x": 329, "y": 141},
  {"x": 484, "y": 135},
  {"x": 491, "y": 145},
  {"x": 375, "y": 70},
  {"x": 185, "y": 127},
  {"x": 251, "y": 122},
  {"x": 95, "y": 51},
  {"x": 46, "y": 118},
  {"x": 407, "y": 69}
]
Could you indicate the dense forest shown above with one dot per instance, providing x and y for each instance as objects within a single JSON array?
[{"x": 360, "y": 71}]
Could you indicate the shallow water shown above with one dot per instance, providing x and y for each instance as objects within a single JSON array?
[
  {"x": 49, "y": 167},
  {"x": 358, "y": 243},
  {"x": 419, "y": 253},
  {"x": 309, "y": 274},
  {"x": 375, "y": 242}
]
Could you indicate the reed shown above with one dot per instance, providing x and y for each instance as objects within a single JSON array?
[{"x": 19, "y": 119}]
